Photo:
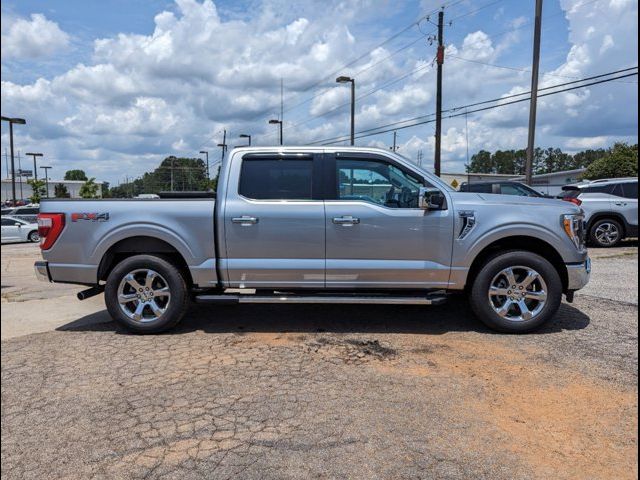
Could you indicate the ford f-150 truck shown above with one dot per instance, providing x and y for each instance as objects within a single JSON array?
[{"x": 318, "y": 225}]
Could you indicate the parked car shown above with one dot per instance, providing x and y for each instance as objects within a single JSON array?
[
  {"x": 28, "y": 213},
  {"x": 7, "y": 211},
  {"x": 17, "y": 230},
  {"x": 318, "y": 225},
  {"x": 502, "y": 188},
  {"x": 610, "y": 206}
]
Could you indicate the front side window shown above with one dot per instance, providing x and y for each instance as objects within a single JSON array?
[
  {"x": 276, "y": 179},
  {"x": 376, "y": 182}
]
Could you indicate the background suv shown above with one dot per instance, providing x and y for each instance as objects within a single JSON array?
[
  {"x": 501, "y": 188},
  {"x": 610, "y": 207}
]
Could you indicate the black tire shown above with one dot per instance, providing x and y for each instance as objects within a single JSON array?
[
  {"x": 483, "y": 307},
  {"x": 615, "y": 225},
  {"x": 176, "y": 306},
  {"x": 34, "y": 237}
]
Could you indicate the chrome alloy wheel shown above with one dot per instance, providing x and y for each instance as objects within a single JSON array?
[
  {"x": 607, "y": 233},
  {"x": 518, "y": 293},
  {"x": 144, "y": 295}
]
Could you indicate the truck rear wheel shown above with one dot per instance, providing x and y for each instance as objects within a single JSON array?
[
  {"x": 146, "y": 294},
  {"x": 516, "y": 292}
]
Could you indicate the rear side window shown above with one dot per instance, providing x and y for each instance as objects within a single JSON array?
[
  {"x": 479, "y": 188},
  {"x": 630, "y": 190},
  {"x": 600, "y": 189},
  {"x": 277, "y": 179}
]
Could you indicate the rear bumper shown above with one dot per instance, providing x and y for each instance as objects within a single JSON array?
[
  {"x": 42, "y": 271},
  {"x": 578, "y": 275}
]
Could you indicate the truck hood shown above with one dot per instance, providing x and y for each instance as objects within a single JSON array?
[{"x": 513, "y": 200}]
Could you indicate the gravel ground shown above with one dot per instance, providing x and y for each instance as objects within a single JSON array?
[{"x": 328, "y": 392}]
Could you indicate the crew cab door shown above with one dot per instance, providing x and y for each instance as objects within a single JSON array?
[
  {"x": 274, "y": 222},
  {"x": 377, "y": 236}
]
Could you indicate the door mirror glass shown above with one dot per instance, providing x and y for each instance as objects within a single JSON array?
[{"x": 431, "y": 199}]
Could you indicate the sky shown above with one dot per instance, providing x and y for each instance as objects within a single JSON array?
[{"x": 113, "y": 87}]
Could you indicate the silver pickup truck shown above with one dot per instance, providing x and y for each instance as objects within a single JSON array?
[{"x": 318, "y": 225}]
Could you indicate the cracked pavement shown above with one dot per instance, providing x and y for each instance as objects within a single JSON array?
[{"x": 321, "y": 392}]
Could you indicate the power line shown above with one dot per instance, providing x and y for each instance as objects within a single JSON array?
[{"x": 396, "y": 125}]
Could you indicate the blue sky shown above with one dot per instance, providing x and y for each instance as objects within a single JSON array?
[{"x": 115, "y": 86}]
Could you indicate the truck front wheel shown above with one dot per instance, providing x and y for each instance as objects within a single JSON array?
[
  {"x": 516, "y": 292},
  {"x": 146, "y": 294}
]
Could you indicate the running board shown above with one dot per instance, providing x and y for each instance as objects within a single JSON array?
[{"x": 290, "y": 299}]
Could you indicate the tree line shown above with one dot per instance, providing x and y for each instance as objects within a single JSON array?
[{"x": 619, "y": 160}]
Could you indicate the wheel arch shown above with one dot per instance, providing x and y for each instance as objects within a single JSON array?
[
  {"x": 131, "y": 246},
  {"x": 519, "y": 243}
]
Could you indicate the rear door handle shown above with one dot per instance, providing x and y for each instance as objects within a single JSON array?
[
  {"x": 346, "y": 220},
  {"x": 245, "y": 220}
]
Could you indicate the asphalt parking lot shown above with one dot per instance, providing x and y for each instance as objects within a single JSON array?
[{"x": 319, "y": 392}]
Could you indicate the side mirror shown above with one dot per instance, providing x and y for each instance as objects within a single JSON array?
[{"x": 431, "y": 199}]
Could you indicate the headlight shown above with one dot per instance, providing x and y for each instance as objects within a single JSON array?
[{"x": 573, "y": 225}]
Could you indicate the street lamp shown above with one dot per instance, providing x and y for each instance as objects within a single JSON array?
[
  {"x": 277, "y": 122},
  {"x": 343, "y": 79},
  {"x": 35, "y": 168},
  {"x": 17, "y": 121},
  {"x": 46, "y": 178},
  {"x": 248, "y": 137},
  {"x": 207, "y": 154}
]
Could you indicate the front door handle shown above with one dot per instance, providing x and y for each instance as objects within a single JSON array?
[
  {"x": 621, "y": 204},
  {"x": 245, "y": 220},
  {"x": 346, "y": 220}
]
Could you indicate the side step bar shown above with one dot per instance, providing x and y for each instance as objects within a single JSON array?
[{"x": 338, "y": 299}]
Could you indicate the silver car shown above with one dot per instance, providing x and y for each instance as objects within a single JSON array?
[
  {"x": 17, "y": 230},
  {"x": 610, "y": 207}
]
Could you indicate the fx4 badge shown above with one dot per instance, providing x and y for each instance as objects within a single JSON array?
[{"x": 93, "y": 217}]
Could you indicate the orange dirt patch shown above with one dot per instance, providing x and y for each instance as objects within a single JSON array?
[{"x": 559, "y": 423}]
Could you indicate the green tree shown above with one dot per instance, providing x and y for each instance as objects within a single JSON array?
[
  {"x": 75, "y": 175},
  {"x": 60, "y": 191},
  {"x": 480, "y": 163},
  {"x": 89, "y": 189},
  {"x": 39, "y": 190},
  {"x": 621, "y": 161}
]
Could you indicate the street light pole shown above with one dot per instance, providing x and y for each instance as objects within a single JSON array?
[
  {"x": 279, "y": 123},
  {"x": 343, "y": 79},
  {"x": 248, "y": 137},
  {"x": 207, "y": 154},
  {"x": 531, "y": 137},
  {"x": 46, "y": 178},
  {"x": 18, "y": 121},
  {"x": 35, "y": 168}
]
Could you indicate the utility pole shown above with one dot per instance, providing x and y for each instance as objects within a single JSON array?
[
  {"x": 17, "y": 121},
  {"x": 395, "y": 136},
  {"x": 440, "y": 62},
  {"x": 534, "y": 94},
  {"x": 223, "y": 145}
]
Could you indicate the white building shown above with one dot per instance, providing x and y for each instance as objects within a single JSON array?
[{"x": 23, "y": 189}]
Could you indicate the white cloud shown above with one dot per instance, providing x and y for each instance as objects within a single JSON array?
[
  {"x": 173, "y": 91},
  {"x": 34, "y": 38}
]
